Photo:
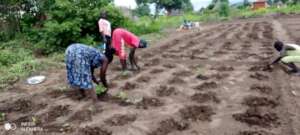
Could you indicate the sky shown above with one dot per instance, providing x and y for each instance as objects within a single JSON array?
[{"x": 196, "y": 3}]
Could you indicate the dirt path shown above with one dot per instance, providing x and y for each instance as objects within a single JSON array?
[{"x": 208, "y": 82}]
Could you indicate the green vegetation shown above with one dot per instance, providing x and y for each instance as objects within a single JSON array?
[{"x": 100, "y": 89}]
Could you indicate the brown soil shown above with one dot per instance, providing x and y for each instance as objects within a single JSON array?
[
  {"x": 255, "y": 133},
  {"x": 219, "y": 76},
  {"x": 94, "y": 131},
  {"x": 183, "y": 73},
  {"x": 170, "y": 125},
  {"x": 120, "y": 120},
  {"x": 253, "y": 101},
  {"x": 143, "y": 79},
  {"x": 129, "y": 86},
  {"x": 83, "y": 115},
  {"x": 149, "y": 102},
  {"x": 176, "y": 80},
  {"x": 169, "y": 65},
  {"x": 153, "y": 62},
  {"x": 261, "y": 88},
  {"x": 206, "y": 85},
  {"x": 205, "y": 97},
  {"x": 195, "y": 113},
  {"x": 164, "y": 91},
  {"x": 54, "y": 112},
  {"x": 259, "y": 76},
  {"x": 202, "y": 77},
  {"x": 223, "y": 68},
  {"x": 256, "y": 117},
  {"x": 156, "y": 71}
]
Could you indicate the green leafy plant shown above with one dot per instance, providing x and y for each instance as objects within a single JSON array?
[
  {"x": 122, "y": 95},
  {"x": 100, "y": 89}
]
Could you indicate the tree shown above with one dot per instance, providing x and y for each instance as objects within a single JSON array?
[
  {"x": 170, "y": 5},
  {"x": 142, "y": 10},
  {"x": 224, "y": 8},
  {"x": 246, "y": 3}
]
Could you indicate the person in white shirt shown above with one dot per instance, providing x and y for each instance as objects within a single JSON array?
[{"x": 105, "y": 30}]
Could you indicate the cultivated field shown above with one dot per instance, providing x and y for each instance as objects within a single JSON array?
[{"x": 207, "y": 82}]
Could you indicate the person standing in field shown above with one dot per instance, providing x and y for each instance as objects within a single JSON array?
[
  {"x": 105, "y": 30},
  {"x": 81, "y": 61},
  {"x": 289, "y": 55},
  {"x": 122, "y": 37}
]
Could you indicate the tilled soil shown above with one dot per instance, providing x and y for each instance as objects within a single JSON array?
[{"x": 208, "y": 82}]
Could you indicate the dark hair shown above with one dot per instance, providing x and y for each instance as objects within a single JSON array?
[
  {"x": 109, "y": 53},
  {"x": 103, "y": 14},
  {"x": 143, "y": 44},
  {"x": 278, "y": 45}
]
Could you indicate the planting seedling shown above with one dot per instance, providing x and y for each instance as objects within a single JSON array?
[
  {"x": 100, "y": 89},
  {"x": 2, "y": 116}
]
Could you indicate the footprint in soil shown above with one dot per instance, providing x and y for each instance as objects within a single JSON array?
[
  {"x": 259, "y": 76},
  {"x": 121, "y": 120},
  {"x": 176, "y": 80},
  {"x": 153, "y": 62},
  {"x": 261, "y": 88},
  {"x": 223, "y": 68},
  {"x": 206, "y": 85},
  {"x": 143, "y": 79},
  {"x": 169, "y": 65},
  {"x": 219, "y": 76},
  {"x": 129, "y": 86},
  {"x": 195, "y": 113},
  {"x": 149, "y": 102},
  {"x": 156, "y": 71},
  {"x": 183, "y": 73},
  {"x": 94, "y": 131},
  {"x": 21, "y": 105},
  {"x": 256, "y": 117},
  {"x": 55, "y": 112},
  {"x": 205, "y": 97},
  {"x": 164, "y": 91},
  {"x": 260, "y": 132},
  {"x": 254, "y": 101},
  {"x": 170, "y": 125}
]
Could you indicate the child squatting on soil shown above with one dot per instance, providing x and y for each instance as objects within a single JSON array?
[
  {"x": 289, "y": 54},
  {"x": 119, "y": 39},
  {"x": 81, "y": 60}
]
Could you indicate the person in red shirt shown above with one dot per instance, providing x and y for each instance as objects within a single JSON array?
[{"x": 122, "y": 37}]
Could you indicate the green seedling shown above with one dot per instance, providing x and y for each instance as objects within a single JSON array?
[
  {"x": 2, "y": 116},
  {"x": 100, "y": 89},
  {"x": 34, "y": 120},
  {"x": 122, "y": 95}
]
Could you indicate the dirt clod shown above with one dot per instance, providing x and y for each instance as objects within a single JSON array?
[
  {"x": 202, "y": 77},
  {"x": 195, "y": 113},
  {"x": 183, "y": 73},
  {"x": 205, "y": 97},
  {"x": 176, "y": 80},
  {"x": 163, "y": 91},
  {"x": 261, "y": 88},
  {"x": 223, "y": 68},
  {"x": 143, "y": 79},
  {"x": 55, "y": 112},
  {"x": 129, "y": 86},
  {"x": 253, "y": 101},
  {"x": 256, "y": 117},
  {"x": 169, "y": 65},
  {"x": 206, "y": 85},
  {"x": 156, "y": 70},
  {"x": 260, "y": 132},
  {"x": 95, "y": 131},
  {"x": 259, "y": 76},
  {"x": 120, "y": 120},
  {"x": 170, "y": 125},
  {"x": 149, "y": 102}
]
